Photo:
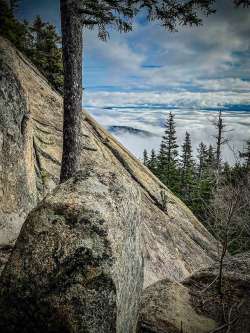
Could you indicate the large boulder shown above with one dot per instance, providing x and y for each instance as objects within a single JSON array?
[
  {"x": 195, "y": 306},
  {"x": 77, "y": 264},
  {"x": 175, "y": 243},
  {"x": 167, "y": 308}
]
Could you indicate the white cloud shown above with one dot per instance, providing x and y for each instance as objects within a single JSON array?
[
  {"x": 197, "y": 123},
  {"x": 218, "y": 50},
  {"x": 224, "y": 84},
  {"x": 177, "y": 99}
]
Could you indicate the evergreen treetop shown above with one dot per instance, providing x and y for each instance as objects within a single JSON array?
[
  {"x": 186, "y": 169},
  {"x": 202, "y": 158},
  {"x": 145, "y": 157},
  {"x": 246, "y": 154},
  {"x": 168, "y": 150},
  {"x": 186, "y": 157},
  {"x": 39, "y": 41}
]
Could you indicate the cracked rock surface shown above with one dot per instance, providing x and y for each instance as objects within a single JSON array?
[
  {"x": 77, "y": 264},
  {"x": 174, "y": 242}
]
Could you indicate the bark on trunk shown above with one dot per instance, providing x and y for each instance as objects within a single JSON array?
[
  {"x": 219, "y": 142},
  {"x": 72, "y": 59}
]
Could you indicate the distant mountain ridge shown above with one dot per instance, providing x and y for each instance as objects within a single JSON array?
[{"x": 130, "y": 130}]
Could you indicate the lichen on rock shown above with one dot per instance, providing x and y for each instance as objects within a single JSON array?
[{"x": 77, "y": 264}]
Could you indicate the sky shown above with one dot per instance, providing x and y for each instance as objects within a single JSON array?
[{"x": 135, "y": 79}]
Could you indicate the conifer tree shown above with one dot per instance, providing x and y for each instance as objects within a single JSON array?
[
  {"x": 245, "y": 155},
  {"x": 226, "y": 172},
  {"x": 211, "y": 162},
  {"x": 202, "y": 158},
  {"x": 186, "y": 157},
  {"x": 13, "y": 5},
  {"x": 53, "y": 53},
  {"x": 46, "y": 52},
  {"x": 145, "y": 157},
  {"x": 168, "y": 154},
  {"x": 10, "y": 27},
  {"x": 187, "y": 169},
  {"x": 168, "y": 150},
  {"x": 204, "y": 182},
  {"x": 153, "y": 162},
  {"x": 38, "y": 41},
  {"x": 220, "y": 140},
  {"x": 28, "y": 41},
  {"x": 39, "y": 33}
]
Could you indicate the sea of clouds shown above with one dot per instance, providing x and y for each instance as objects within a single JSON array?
[{"x": 199, "y": 123}]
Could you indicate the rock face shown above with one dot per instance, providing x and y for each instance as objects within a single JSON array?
[
  {"x": 174, "y": 243},
  {"x": 77, "y": 264},
  {"x": 30, "y": 141},
  {"x": 194, "y": 306}
]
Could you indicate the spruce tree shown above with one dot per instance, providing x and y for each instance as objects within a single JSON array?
[
  {"x": 202, "y": 158},
  {"x": 38, "y": 41},
  {"x": 186, "y": 156},
  {"x": 211, "y": 161},
  {"x": 39, "y": 34},
  {"x": 227, "y": 174},
  {"x": 10, "y": 27},
  {"x": 204, "y": 182},
  {"x": 53, "y": 53},
  {"x": 187, "y": 169},
  {"x": 168, "y": 155},
  {"x": 46, "y": 52},
  {"x": 152, "y": 164},
  {"x": 245, "y": 155},
  {"x": 145, "y": 157}
]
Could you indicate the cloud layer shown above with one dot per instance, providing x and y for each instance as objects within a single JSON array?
[
  {"x": 179, "y": 99},
  {"x": 197, "y": 123}
]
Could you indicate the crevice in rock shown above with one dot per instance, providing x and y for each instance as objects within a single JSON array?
[
  {"x": 38, "y": 168},
  {"x": 88, "y": 148},
  {"x": 24, "y": 123},
  {"x": 43, "y": 141},
  {"x": 37, "y": 159},
  {"x": 47, "y": 125},
  {"x": 46, "y": 155}
]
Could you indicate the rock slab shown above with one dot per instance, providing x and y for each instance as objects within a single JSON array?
[
  {"x": 77, "y": 264},
  {"x": 175, "y": 244}
]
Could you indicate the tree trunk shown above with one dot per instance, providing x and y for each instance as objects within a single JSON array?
[
  {"x": 219, "y": 142},
  {"x": 72, "y": 60}
]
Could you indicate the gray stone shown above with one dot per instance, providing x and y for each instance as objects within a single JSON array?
[
  {"x": 194, "y": 306},
  {"x": 77, "y": 264}
]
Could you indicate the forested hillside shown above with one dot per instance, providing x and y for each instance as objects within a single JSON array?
[{"x": 216, "y": 192}]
